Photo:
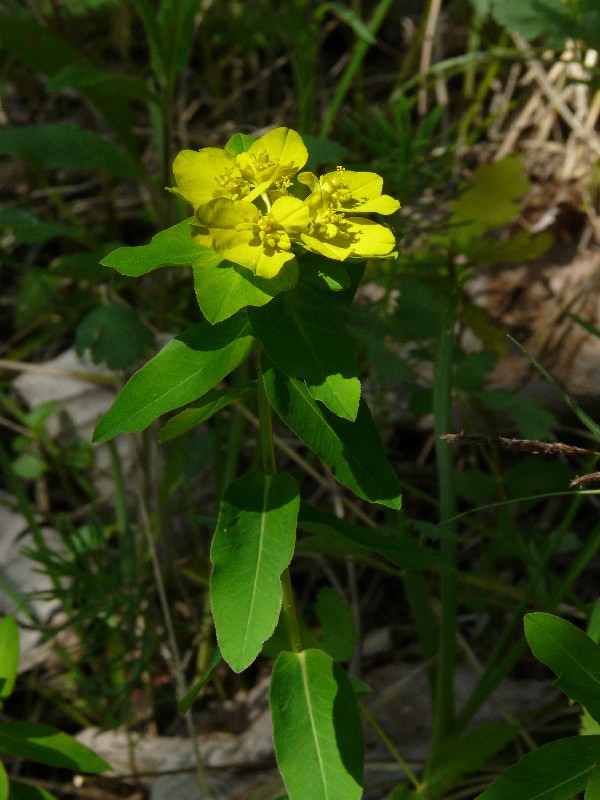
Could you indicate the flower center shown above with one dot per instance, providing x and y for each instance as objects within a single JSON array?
[
  {"x": 231, "y": 185},
  {"x": 268, "y": 229}
]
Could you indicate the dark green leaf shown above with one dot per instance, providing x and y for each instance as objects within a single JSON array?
[
  {"x": 186, "y": 368},
  {"x": 30, "y": 229},
  {"x": 114, "y": 335},
  {"x": 398, "y": 547},
  {"x": 353, "y": 451},
  {"x": 338, "y": 631},
  {"x": 69, "y": 147},
  {"x": 46, "y": 745},
  {"x": 253, "y": 544},
  {"x": 305, "y": 336},
  {"x": 26, "y": 791},
  {"x": 187, "y": 702},
  {"x": 458, "y": 757},
  {"x": 200, "y": 412}
]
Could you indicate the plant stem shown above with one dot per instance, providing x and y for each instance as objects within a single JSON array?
[
  {"x": 443, "y": 712},
  {"x": 267, "y": 448}
]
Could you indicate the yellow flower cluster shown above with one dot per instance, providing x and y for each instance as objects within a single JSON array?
[{"x": 245, "y": 207}]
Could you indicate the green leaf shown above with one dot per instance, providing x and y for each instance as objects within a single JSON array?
[
  {"x": 532, "y": 18},
  {"x": 316, "y": 728},
  {"x": 26, "y": 791},
  {"x": 85, "y": 77},
  {"x": 592, "y": 789},
  {"x": 492, "y": 199},
  {"x": 324, "y": 274},
  {"x": 46, "y": 745},
  {"x": 556, "y": 771},
  {"x": 69, "y": 147},
  {"x": 570, "y": 654},
  {"x": 305, "y": 336},
  {"x": 239, "y": 144},
  {"x": 205, "y": 409},
  {"x": 213, "y": 662},
  {"x": 351, "y": 18},
  {"x": 223, "y": 288},
  {"x": 521, "y": 246},
  {"x": 30, "y": 466},
  {"x": 45, "y": 52},
  {"x": 9, "y": 655},
  {"x": 353, "y": 451},
  {"x": 397, "y": 546},
  {"x": 338, "y": 631},
  {"x": 30, "y": 229},
  {"x": 173, "y": 247},
  {"x": 583, "y": 417},
  {"x": 3, "y": 783},
  {"x": 253, "y": 544},
  {"x": 114, "y": 335},
  {"x": 186, "y": 368},
  {"x": 458, "y": 757},
  {"x": 177, "y": 30}
]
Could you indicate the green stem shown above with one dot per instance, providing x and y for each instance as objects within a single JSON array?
[
  {"x": 349, "y": 74},
  {"x": 442, "y": 408},
  {"x": 267, "y": 448}
]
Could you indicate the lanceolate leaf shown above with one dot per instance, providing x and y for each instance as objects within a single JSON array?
[
  {"x": 210, "y": 404},
  {"x": 353, "y": 451},
  {"x": 68, "y": 146},
  {"x": 556, "y": 771},
  {"x": 458, "y": 757},
  {"x": 306, "y": 338},
  {"x": 26, "y": 791},
  {"x": 222, "y": 287},
  {"x": 316, "y": 728},
  {"x": 573, "y": 656},
  {"x": 9, "y": 655},
  {"x": 46, "y": 745},
  {"x": 253, "y": 544},
  {"x": 186, "y": 368},
  {"x": 173, "y": 247}
]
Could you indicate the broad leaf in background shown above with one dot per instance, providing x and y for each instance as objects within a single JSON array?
[
  {"x": 490, "y": 200},
  {"x": 44, "y": 51},
  {"x": 30, "y": 229},
  {"x": 67, "y": 147},
  {"x": 458, "y": 757},
  {"x": 205, "y": 409},
  {"x": 186, "y": 368},
  {"x": 223, "y": 288},
  {"x": 571, "y": 654},
  {"x": 337, "y": 626},
  {"x": 114, "y": 335},
  {"x": 592, "y": 789},
  {"x": 397, "y": 546},
  {"x": 353, "y": 451},
  {"x": 25, "y": 791},
  {"x": 316, "y": 727},
  {"x": 9, "y": 656},
  {"x": 556, "y": 771},
  {"x": 173, "y": 247},
  {"x": 253, "y": 544},
  {"x": 552, "y": 19},
  {"x": 304, "y": 335},
  {"x": 46, "y": 745}
]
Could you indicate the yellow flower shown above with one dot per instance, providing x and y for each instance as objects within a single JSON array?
[
  {"x": 335, "y": 235},
  {"x": 267, "y": 165},
  {"x": 261, "y": 242},
  {"x": 352, "y": 191}
]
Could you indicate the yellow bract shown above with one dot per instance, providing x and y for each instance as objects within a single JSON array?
[
  {"x": 259, "y": 241},
  {"x": 245, "y": 208},
  {"x": 207, "y": 174}
]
